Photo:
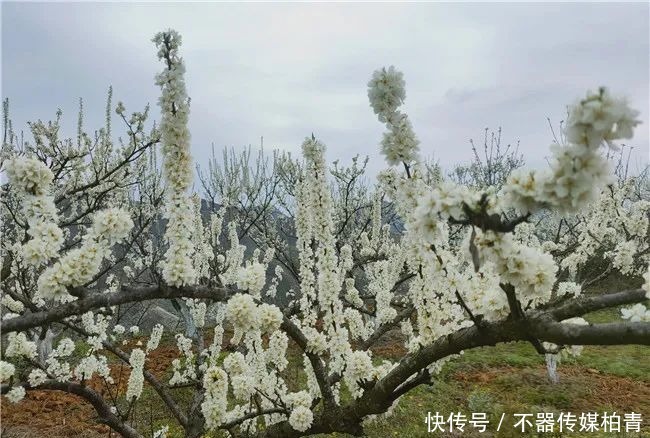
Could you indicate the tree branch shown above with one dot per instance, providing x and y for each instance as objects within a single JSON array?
[
  {"x": 98, "y": 300},
  {"x": 586, "y": 304}
]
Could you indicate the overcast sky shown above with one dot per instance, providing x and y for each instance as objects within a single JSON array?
[{"x": 283, "y": 71}]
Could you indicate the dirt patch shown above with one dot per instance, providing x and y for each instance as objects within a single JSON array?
[
  {"x": 393, "y": 351},
  {"x": 52, "y": 414}
]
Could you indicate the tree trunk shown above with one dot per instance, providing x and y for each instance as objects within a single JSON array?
[{"x": 551, "y": 367}]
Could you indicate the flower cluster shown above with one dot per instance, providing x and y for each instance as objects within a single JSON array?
[
  {"x": 154, "y": 338},
  {"x": 79, "y": 266},
  {"x": 197, "y": 311},
  {"x": 56, "y": 364},
  {"x": 15, "y": 394},
  {"x": 252, "y": 278},
  {"x": 434, "y": 206},
  {"x": 19, "y": 346},
  {"x": 270, "y": 318},
  {"x": 386, "y": 94},
  {"x": 14, "y": 306},
  {"x": 615, "y": 227},
  {"x": 31, "y": 179},
  {"x": 484, "y": 294},
  {"x": 386, "y": 91},
  {"x": 7, "y": 371},
  {"x": 246, "y": 315},
  {"x": 76, "y": 268},
  {"x": 233, "y": 258},
  {"x": 399, "y": 144},
  {"x": 175, "y": 112},
  {"x": 600, "y": 117},
  {"x": 569, "y": 288},
  {"x": 215, "y": 403},
  {"x": 90, "y": 365},
  {"x": 242, "y": 312},
  {"x": 623, "y": 258},
  {"x": 65, "y": 348},
  {"x": 577, "y": 171},
  {"x": 301, "y": 418},
  {"x": 96, "y": 325},
  {"x": 530, "y": 270},
  {"x": 136, "y": 378},
  {"x": 36, "y": 377},
  {"x": 110, "y": 226},
  {"x": 276, "y": 353},
  {"x": 636, "y": 313},
  {"x": 46, "y": 241},
  {"x": 29, "y": 176},
  {"x": 359, "y": 368},
  {"x": 317, "y": 226},
  {"x": 183, "y": 370},
  {"x": 178, "y": 269}
]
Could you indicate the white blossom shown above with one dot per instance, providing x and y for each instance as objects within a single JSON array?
[
  {"x": 79, "y": 265},
  {"x": 636, "y": 313},
  {"x": 136, "y": 378},
  {"x": 569, "y": 288},
  {"x": 386, "y": 94},
  {"x": 214, "y": 406},
  {"x": 161, "y": 433},
  {"x": 7, "y": 371},
  {"x": 154, "y": 339},
  {"x": 11, "y": 304},
  {"x": 252, "y": 278},
  {"x": 19, "y": 346},
  {"x": 600, "y": 117},
  {"x": 359, "y": 368},
  {"x": 111, "y": 225},
  {"x": 29, "y": 175},
  {"x": 36, "y": 377},
  {"x": 241, "y": 310},
  {"x": 178, "y": 269},
  {"x": 270, "y": 317},
  {"x": 64, "y": 348},
  {"x": 386, "y": 91},
  {"x": 16, "y": 394},
  {"x": 301, "y": 418}
]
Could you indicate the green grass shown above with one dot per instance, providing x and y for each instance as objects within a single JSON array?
[
  {"x": 516, "y": 382},
  {"x": 511, "y": 378}
]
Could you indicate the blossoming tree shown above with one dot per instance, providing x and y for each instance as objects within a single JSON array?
[{"x": 66, "y": 283}]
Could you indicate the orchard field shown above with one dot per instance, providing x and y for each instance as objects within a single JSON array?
[{"x": 260, "y": 294}]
